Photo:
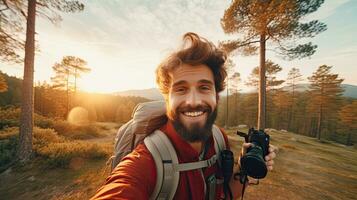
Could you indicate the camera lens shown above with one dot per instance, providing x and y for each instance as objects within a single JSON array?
[{"x": 253, "y": 162}]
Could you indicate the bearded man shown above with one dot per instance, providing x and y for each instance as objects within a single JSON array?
[{"x": 190, "y": 80}]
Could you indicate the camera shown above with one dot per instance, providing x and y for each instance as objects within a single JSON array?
[{"x": 253, "y": 162}]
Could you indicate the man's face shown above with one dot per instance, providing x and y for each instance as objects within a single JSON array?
[{"x": 192, "y": 101}]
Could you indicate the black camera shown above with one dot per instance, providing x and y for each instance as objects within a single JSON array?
[{"x": 253, "y": 162}]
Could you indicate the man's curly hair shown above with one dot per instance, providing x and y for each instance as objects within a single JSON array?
[{"x": 194, "y": 51}]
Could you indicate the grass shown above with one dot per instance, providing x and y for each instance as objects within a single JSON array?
[{"x": 306, "y": 169}]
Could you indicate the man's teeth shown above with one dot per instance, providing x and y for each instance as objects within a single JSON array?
[{"x": 193, "y": 114}]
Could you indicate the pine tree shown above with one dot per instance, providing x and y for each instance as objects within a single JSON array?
[
  {"x": 294, "y": 77},
  {"x": 3, "y": 85},
  {"x": 272, "y": 83},
  {"x": 325, "y": 93},
  {"x": 276, "y": 21},
  {"x": 77, "y": 66},
  {"x": 348, "y": 117},
  {"x": 47, "y": 8}
]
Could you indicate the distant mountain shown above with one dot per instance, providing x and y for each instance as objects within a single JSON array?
[
  {"x": 152, "y": 93},
  {"x": 350, "y": 90}
]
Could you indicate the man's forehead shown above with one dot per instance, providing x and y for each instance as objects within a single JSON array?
[{"x": 199, "y": 73}]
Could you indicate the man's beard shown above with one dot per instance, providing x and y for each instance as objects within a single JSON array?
[{"x": 196, "y": 132}]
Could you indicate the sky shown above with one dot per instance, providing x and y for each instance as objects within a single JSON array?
[{"x": 123, "y": 41}]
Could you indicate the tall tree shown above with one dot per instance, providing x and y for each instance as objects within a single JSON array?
[
  {"x": 229, "y": 65},
  {"x": 3, "y": 85},
  {"x": 61, "y": 80},
  {"x": 47, "y": 8},
  {"x": 260, "y": 21},
  {"x": 26, "y": 120},
  {"x": 325, "y": 95},
  {"x": 77, "y": 67},
  {"x": 271, "y": 80},
  {"x": 348, "y": 117},
  {"x": 234, "y": 81},
  {"x": 294, "y": 77},
  {"x": 272, "y": 83},
  {"x": 68, "y": 67}
]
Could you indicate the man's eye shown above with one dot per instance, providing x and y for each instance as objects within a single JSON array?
[
  {"x": 205, "y": 88},
  {"x": 180, "y": 89}
]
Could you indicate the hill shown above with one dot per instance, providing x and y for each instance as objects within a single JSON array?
[
  {"x": 304, "y": 169},
  {"x": 154, "y": 93},
  {"x": 151, "y": 93},
  {"x": 349, "y": 90}
]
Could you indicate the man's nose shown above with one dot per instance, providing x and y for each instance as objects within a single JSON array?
[{"x": 193, "y": 98}]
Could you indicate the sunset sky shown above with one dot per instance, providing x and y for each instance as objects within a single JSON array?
[{"x": 124, "y": 41}]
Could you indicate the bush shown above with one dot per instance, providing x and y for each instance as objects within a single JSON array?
[
  {"x": 72, "y": 131},
  {"x": 42, "y": 137},
  {"x": 8, "y": 132},
  {"x": 8, "y": 145},
  {"x": 54, "y": 149},
  {"x": 43, "y": 122},
  {"x": 61, "y": 154}
]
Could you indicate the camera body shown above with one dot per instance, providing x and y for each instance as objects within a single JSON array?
[
  {"x": 259, "y": 138},
  {"x": 253, "y": 162}
]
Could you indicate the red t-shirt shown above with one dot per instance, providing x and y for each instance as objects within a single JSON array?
[{"x": 135, "y": 175}]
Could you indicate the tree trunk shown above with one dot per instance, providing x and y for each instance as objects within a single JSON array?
[
  {"x": 26, "y": 120},
  {"x": 262, "y": 86},
  {"x": 349, "y": 137},
  {"x": 319, "y": 123}
]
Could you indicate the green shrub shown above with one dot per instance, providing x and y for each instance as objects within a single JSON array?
[
  {"x": 43, "y": 122},
  {"x": 85, "y": 131},
  {"x": 8, "y": 132},
  {"x": 8, "y": 149},
  {"x": 54, "y": 149},
  {"x": 61, "y": 154},
  {"x": 42, "y": 137}
]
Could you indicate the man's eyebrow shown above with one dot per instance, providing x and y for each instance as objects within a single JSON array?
[
  {"x": 178, "y": 83},
  {"x": 206, "y": 81}
]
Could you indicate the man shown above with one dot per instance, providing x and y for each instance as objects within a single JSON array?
[{"x": 190, "y": 80}]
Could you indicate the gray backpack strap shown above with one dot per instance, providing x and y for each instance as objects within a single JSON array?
[
  {"x": 165, "y": 158},
  {"x": 219, "y": 142}
]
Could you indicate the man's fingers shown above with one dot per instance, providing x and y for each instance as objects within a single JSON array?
[
  {"x": 270, "y": 163},
  {"x": 273, "y": 148},
  {"x": 270, "y": 156},
  {"x": 245, "y": 146},
  {"x": 270, "y": 168}
]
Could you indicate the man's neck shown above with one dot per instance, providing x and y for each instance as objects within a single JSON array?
[{"x": 197, "y": 146}]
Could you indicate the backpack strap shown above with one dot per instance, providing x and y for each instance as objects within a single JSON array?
[
  {"x": 165, "y": 157},
  {"x": 219, "y": 142}
]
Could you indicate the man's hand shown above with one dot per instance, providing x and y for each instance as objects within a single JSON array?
[{"x": 269, "y": 159}]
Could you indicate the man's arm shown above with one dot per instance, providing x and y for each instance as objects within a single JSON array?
[{"x": 133, "y": 178}]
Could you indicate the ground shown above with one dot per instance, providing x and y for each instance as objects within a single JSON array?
[{"x": 304, "y": 169}]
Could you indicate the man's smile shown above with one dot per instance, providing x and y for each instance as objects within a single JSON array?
[{"x": 193, "y": 114}]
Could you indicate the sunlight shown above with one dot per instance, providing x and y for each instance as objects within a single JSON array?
[{"x": 78, "y": 115}]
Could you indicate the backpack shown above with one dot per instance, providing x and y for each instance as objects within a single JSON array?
[{"x": 143, "y": 127}]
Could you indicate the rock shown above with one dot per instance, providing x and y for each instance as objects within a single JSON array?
[
  {"x": 32, "y": 178},
  {"x": 242, "y": 126}
]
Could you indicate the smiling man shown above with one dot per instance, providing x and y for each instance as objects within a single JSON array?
[{"x": 190, "y": 80}]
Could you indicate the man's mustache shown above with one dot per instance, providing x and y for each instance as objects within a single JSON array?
[{"x": 198, "y": 108}]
